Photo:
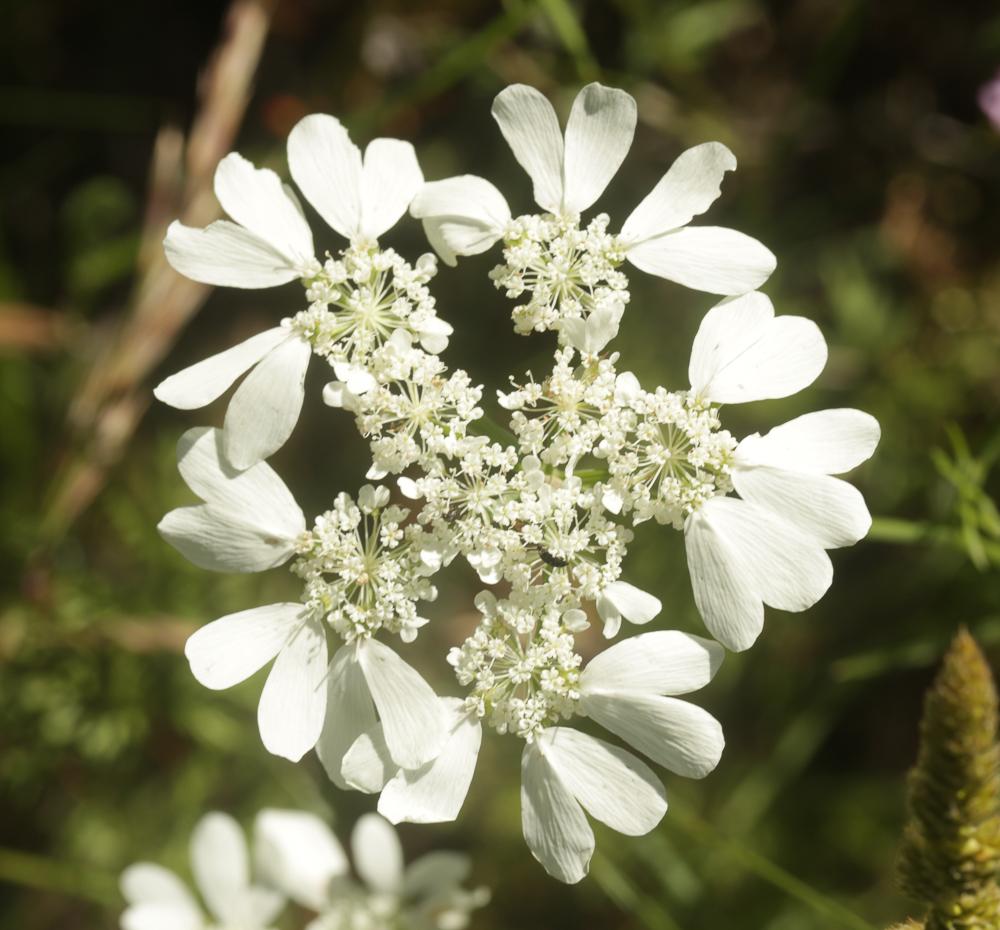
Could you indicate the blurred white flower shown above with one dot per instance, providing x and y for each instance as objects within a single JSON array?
[
  {"x": 158, "y": 899},
  {"x": 301, "y": 856}
]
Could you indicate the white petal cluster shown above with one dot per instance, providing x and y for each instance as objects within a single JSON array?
[
  {"x": 546, "y": 516},
  {"x": 295, "y": 857}
]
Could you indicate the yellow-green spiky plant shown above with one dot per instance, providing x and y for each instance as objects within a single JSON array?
[{"x": 950, "y": 859}]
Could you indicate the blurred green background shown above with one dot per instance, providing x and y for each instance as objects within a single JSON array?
[{"x": 865, "y": 164}]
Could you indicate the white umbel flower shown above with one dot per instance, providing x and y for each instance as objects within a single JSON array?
[
  {"x": 304, "y": 859},
  {"x": 630, "y": 689},
  {"x": 159, "y": 900},
  {"x": 250, "y": 522},
  {"x": 467, "y": 215},
  {"x": 270, "y": 243}
]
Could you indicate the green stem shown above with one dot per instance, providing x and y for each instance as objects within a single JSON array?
[{"x": 913, "y": 532}]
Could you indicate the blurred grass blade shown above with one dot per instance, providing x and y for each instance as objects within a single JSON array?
[
  {"x": 562, "y": 16},
  {"x": 44, "y": 874}
]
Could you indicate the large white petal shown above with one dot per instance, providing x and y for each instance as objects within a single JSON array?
[
  {"x": 367, "y": 765},
  {"x": 531, "y": 128},
  {"x": 220, "y": 863},
  {"x": 257, "y": 494},
  {"x": 293, "y": 702},
  {"x": 201, "y": 383},
  {"x": 349, "y": 711},
  {"x": 740, "y": 554},
  {"x": 435, "y": 792},
  {"x": 831, "y": 510},
  {"x": 598, "y": 136},
  {"x": 827, "y": 442},
  {"x": 390, "y": 179},
  {"x": 412, "y": 718},
  {"x": 723, "y": 587},
  {"x": 743, "y": 353},
  {"x": 662, "y": 662},
  {"x": 688, "y": 189},
  {"x": 554, "y": 825},
  {"x": 258, "y": 201},
  {"x": 326, "y": 165},
  {"x": 220, "y": 540},
  {"x": 297, "y": 853},
  {"x": 377, "y": 854},
  {"x": 613, "y": 785},
  {"x": 266, "y": 406},
  {"x": 679, "y": 736},
  {"x": 231, "y": 649},
  {"x": 706, "y": 258},
  {"x": 226, "y": 255},
  {"x": 463, "y": 215}
]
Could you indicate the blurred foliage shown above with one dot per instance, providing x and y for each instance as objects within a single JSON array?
[{"x": 864, "y": 164}]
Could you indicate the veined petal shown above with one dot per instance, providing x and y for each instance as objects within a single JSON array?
[
  {"x": 621, "y": 599},
  {"x": 745, "y": 545},
  {"x": 257, "y": 495},
  {"x": 327, "y": 167},
  {"x": 258, "y": 201},
  {"x": 203, "y": 382},
  {"x": 724, "y": 590},
  {"x": 226, "y": 255},
  {"x": 662, "y": 662},
  {"x": 412, "y": 719},
  {"x": 830, "y": 510},
  {"x": 613, "y": 785},
  {"x": 463, "y": 215},
  {"x": 706, "y": 258},
  {"x": 681, "y": 737},
  {"x": 598, "y": 136},
  {"x": 435, "y": 792},
  {"x": 531, "y": 128},
  {"x": 554, "y": 825},
  {"x": 266, "y": 406},
  {"x": 349, "y": 712},
  {"x": 221, "y": 541},
  {"x": 377, "y": 853},
  {"x": 367, "y": 764},
  {"x": 390, "y": 179},
  {"x": 743, "y": 353},
  {"x": 220, "y": 863},
  {"x": 231, "y": 649},
  {"x": 690, "y": 186},
  {"x": 293, "y": 702},
  {"x": 297, "y": 853},
  {"x": 827, "y": 442}
]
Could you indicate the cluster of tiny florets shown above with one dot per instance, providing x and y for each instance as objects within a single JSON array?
[
  {"x": 360, "y": 298},
  {"x": 361, "y": 573},
  {"x": 520, "y": 665},
  {"x": 561, "y": 271}
]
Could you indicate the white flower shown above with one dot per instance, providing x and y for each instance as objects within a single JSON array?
[
  {"x": 466, "y": 215},
  {"x": 629, "y": 689},
  {"x": 250, "y": 522},
  {"x": 768, "y": 547},
  {"x": 304, "y": 859},
  {"x": 621, "y": 599},
  {"x": 271, "y": 243},
  {"x": 158, "y": 899}
]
